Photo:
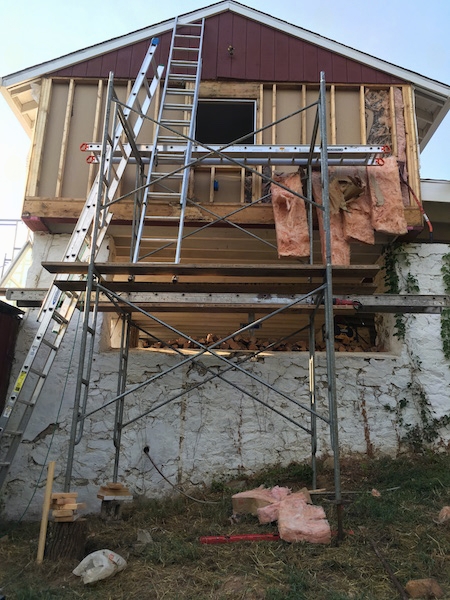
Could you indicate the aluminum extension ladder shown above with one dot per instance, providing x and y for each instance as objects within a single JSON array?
[
  {"x": 59, "y": 306},
  {"x": 167, "y": 177}
]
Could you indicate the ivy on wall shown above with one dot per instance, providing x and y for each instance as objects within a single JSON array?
[
  {"x": 397, "y": 281},
  {"x": 445, "y": 315}
]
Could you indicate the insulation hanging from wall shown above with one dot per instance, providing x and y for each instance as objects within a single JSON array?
[
  {"x": 362, "y": 200},
  {"x": 388, "y": 214},
  {"x": 340, "y": 248},
  {"x": 291, "y": 225}
]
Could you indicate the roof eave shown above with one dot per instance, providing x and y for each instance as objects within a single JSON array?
[{"x": 431, "y": 85}]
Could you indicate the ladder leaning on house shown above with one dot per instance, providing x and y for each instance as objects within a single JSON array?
[
  {"x": 167, "y": 177},
  {"x": 58, "y": 306}
]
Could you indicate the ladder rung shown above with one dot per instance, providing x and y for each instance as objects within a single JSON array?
[
  {"x": 164, "y": 195},
  {"x": 182, "y": 77},
  {"x": 27, "y": 402},
  {"x": 173, "y": 106},
  {"x": 4, "y": 464},
  {"x": 170, "y": 139},
  {"x": 12, "y": 433},
  {"x": 185, "y": 48},
  {"x": 180, "y": 92},
  {"x": 158, "y": 240},
  {"x": 188, "y": 35},
  {"x": 85, "y": 382},
  {"x": 58, "y": 317},
  {"x": 171, "y": 159},
  {"x": 182, "y": 122},
  {"x": 90, "y": 330},
  {"x": 189, "y": 25},
  {"x": 157, "y": 175},
  {"x": 183, "y": 62},
  {"x": 35, "y": 372},
  {"x": 49, "y": 344}
]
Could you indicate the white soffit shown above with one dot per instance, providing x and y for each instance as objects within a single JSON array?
[{"x": 435, "y": 190}]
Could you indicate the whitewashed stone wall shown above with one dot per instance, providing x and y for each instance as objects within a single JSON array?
[{"x": 215, "y": 431}]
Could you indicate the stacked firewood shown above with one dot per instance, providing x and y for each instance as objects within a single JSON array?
[
  {"x": 252, "y": 344},
  {"x": 237, "y": 343}
]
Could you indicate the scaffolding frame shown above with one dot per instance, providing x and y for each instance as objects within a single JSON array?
[{"x": 319, "y": 298}]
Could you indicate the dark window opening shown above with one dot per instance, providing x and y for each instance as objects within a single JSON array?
[{"x": 224, "y": 122}]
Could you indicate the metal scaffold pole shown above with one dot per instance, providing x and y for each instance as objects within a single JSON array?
[{"x": 328, "y": 302}]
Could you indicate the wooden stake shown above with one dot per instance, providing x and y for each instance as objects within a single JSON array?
[{"x": 45, "y": 511}]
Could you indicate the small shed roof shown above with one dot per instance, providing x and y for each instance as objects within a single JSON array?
[{"x": 432, "y": 97}]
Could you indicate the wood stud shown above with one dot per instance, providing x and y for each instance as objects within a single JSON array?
[
  {"x": 333, "y": 114},
  {"x": 362, "y": 114},
  {"x": 65, "y": 139},
  {"x": 394, "y": 144},
  {"x": 95, "y": 132},
  {"x": 37, "y": 152}
]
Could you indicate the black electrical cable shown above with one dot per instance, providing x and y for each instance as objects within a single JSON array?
[{"x": 147, "y": 452}]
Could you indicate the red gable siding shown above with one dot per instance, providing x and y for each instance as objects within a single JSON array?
[{"x": 260, "y": 53}]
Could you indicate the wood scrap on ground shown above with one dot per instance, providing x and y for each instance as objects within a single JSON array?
[
  {"x": 64, "y": 507},
  {"x": 114, "y": 491}
]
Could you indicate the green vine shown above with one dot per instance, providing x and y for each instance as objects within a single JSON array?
[
  {"x": 395, "y": 257},
  {"x": 445, "y": 315},
  {"x": 426, "y": 431}
]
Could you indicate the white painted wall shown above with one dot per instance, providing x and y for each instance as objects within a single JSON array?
[{"x": 215, "y": 430}]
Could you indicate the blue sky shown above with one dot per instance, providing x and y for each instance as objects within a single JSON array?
[{"x": 410, "y": 33}]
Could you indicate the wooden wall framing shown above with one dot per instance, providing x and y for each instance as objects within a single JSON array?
[{"x": 71, "y": 111}]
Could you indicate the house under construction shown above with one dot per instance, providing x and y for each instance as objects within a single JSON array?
[{"x": 211, "y": 198}]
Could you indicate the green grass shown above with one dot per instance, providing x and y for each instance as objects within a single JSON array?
[{"x": 176, "y": 566}]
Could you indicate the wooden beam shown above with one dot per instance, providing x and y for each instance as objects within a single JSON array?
[
  {"x": 39, "y": 137},
  {"x": 411, "y": 141},
  {"x": 394, "y": 144},
  {"x": 358, "y": 272},
  {"x": 304, "y": 115},
  {"x": 225, "y": 89},
  {"x": 69, "y": 209},
  {"x": 333, "y": 113},
  {"x": 65, "y": 139},
  {"x": 54, "y": 210},
  {"x": 95, "y": 132},
  {"x": 362, "y": 115}
]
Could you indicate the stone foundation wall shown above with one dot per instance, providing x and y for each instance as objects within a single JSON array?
[{"x": 215, "y": 430}]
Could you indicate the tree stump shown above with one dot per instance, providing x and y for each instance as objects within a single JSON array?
[{"x": 66, "y": 540}]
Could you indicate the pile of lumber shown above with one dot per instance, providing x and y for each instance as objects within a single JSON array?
[
  {"x": 64, "y": 507},
  {"x": 114, "y": 491}
]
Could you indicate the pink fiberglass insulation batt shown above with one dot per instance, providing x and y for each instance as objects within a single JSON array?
[
  {"x": 388, "y": 215},
  {"x": 299, "y": 521},
  {"x": 340, "y": 248},
  {"x": 289, "y": 212}
]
